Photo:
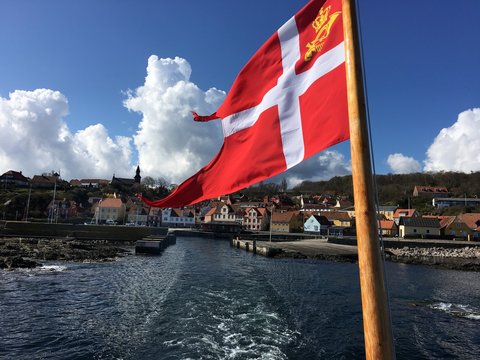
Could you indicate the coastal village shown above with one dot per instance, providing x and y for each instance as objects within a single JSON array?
[{"x": 328, "y": 214}]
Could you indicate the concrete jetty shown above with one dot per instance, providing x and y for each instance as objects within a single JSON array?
[{"x": 305, "y": 248}]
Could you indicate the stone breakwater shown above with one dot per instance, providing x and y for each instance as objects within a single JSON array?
[
  {"x": 465, "y": 253},
  {"x": 466, "y": 258},
  {"x": 22, "y": 252}
]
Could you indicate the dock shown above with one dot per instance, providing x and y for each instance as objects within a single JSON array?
[{"x": 154, "y": 244}]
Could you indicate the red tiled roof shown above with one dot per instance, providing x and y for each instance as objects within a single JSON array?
[
  {"x": 111, "y": 203},
  {"x": 386, "y": 224},
  {"x": 335, "y": 215},
  {"x": 446, "y": 221},
  {"x": 283, "y": 216},
  {"x": 472, "y": 220}
]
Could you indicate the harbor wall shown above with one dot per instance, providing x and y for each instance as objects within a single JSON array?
[{"x": 79, "y": 232}]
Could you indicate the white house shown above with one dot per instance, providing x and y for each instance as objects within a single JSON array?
[
  {"x": 110, "y": 209},
  {"x": 178, "y": 217},
  {"x": 316, "y": 224},
  {"x": 227, "y": 213}
]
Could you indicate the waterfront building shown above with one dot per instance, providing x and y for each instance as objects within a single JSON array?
[
  {"x": 453, "y": 227},
  {"x": 224, "y": 212},
  {"x": 289, "y": 221},
  {"x": 110, "y": 209},
  {"x": 419, "y": 227},
  {"x": 472, "y": 220},
  {"x": 463, "y": 226},
  {"x": 316, "y": 224},
  {"x": 338, "y": 218},
  {"x": 387, "y": 228},
  {"x": 178, "y": 217},
  {"x": 256, "y": 218}
]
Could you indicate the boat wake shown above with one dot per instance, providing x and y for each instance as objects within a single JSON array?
[{"x": 458, "y": 310}]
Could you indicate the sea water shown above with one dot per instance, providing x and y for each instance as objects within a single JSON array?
[{"x": 202, "y": 299}]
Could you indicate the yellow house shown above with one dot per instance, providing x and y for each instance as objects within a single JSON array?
[
  {"x": 455, "y": 227},
  {"x": 473, "y": 222},
  {"x": 290, "y": 221}
]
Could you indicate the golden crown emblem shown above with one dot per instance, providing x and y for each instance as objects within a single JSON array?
[{"x": 322, "y": 25}]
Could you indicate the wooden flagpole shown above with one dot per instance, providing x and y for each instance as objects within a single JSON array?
[{"x": 376, "y": 317}]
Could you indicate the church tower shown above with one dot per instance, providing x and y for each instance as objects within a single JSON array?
[{"x": 137, "y": 175}]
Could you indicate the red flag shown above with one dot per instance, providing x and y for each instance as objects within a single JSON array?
[{"x": 288, "y": 103}]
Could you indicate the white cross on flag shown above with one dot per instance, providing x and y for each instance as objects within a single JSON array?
[{"x": 288, "y": 103}]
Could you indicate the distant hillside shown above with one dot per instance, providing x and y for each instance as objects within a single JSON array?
[{"x": 398, "y": 189}]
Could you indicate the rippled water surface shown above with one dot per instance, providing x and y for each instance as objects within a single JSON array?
[{"x": 203, "y": 299}]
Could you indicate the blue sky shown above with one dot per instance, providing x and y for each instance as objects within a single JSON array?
[{"x": 421, "y": 60}]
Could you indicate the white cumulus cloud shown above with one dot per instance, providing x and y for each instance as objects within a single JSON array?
[
  {"x": 169, "y": 143},
  {"x": 457, "y": 148},
  {"x": 35, "y": 136},
  {"x": 35, "y": 139},
  {"x": 401, "y": 164}
]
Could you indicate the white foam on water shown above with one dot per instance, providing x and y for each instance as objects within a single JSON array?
[
  {"x": 473, "y": 316},
  {"x": 52, "y": 268},
  {"x": 43, "y": 269},
  {"x": 459, "y": 310}
]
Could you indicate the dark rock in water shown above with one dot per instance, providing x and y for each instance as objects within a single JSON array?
[
  {"x": 55, "y": 249},
  {"x": 18, "y": 262}
]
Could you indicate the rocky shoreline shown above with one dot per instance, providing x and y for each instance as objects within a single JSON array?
[
  {"x": 466, "y": 258},
  {"x": 22, "y": 252}
]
